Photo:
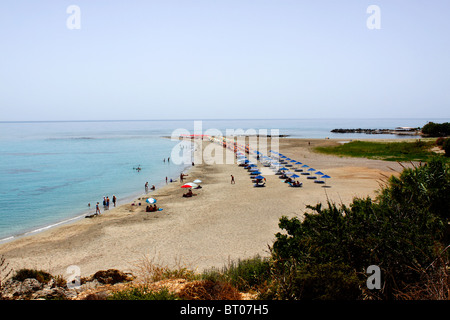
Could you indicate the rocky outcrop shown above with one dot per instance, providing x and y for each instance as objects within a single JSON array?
[
  {"x": 98, "y": 286},
  {"x": 32, "y": 289}
]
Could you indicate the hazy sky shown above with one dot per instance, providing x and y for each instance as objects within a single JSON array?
[{"x": 214, "y": 59}]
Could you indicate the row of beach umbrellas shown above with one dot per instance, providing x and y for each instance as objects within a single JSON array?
[
  {"x": 275, "y": 161},
  {"x": 282, "y": 159}
]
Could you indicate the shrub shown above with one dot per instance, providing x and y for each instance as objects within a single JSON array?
[
  {"x": 399, "y": 232},
  {"x": 436, "y": 129},
  {"x": 244, "y": 274},
  {"x": 209, "y": 290},
  {"x": 446, "y": 147},
  {"x": 39, "y": 275},
  {"x": 142, "y": 293},
  {"x": 440, "y": 141}
]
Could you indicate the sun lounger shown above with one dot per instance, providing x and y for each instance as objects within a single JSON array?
[
  {"x": 295, "y": 186},
  {"x": 311, "y": 177},
  {"x": 319, "y": 181},
  {"x": 259, "y": 185}
]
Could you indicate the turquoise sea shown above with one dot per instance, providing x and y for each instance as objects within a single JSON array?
[{"x": 50, "y": 171}]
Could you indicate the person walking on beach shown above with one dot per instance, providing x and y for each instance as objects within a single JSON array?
[
  {"x": 107, "y": 203},
  {"x": 146, "y": 187},
  {"x": 232, "y": 180},
  {"x": 114, "y": 199},
  {"x": 97, "y": 209}
]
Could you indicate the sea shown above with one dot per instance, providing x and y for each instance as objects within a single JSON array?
[{"x": 52, "y": 173}]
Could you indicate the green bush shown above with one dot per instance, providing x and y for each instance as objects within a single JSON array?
[
  {"x": 326, "y": 254},
  {"x": 436, "y": 129},
  {"x": 142, "y": 293}
]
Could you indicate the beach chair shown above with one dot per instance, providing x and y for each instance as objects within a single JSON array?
[{"x": 259, "y": 185}]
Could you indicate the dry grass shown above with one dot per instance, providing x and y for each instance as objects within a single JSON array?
[{"x": 209, "y": 290}]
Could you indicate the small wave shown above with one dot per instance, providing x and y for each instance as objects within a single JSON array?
[
  {"x": 7, "y": 239},
  {"x": 52, "y": 225},
  {"x": 17, "y": 171},
  {"x": 72, "y": 138}
]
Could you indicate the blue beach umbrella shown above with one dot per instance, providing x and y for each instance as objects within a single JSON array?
[
  {"x": 305, "y": 166},
  {"x": 326, "y": 176},
  {"x": 255, "y": 172},
  {"x": 311, "y": 169},
  {"x": 295, "y": 176},
  {"x": 282, "y": 169},
  {"x": 319, "y": 173},
  {"x": 298, "y": 162},
  {"x": 151, "y": 200},
  {"x": 259, "y": 177}
]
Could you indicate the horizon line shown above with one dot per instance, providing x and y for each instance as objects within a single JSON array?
[{"x": 211, "y": 119}]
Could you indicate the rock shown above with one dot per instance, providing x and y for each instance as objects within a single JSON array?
[
  {"x": 13, "y": 289},
  {"x": 56, "y": 293},
  {"x": 111, "y": 276}
]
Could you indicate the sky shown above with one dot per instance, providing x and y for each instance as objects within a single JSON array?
[{"x": 223, "y": 59}]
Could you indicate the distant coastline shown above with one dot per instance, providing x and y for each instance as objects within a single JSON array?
[{"x": 397, "y": 131}]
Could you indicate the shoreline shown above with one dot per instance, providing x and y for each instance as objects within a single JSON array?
[
  {"x": 80, "y": 214},
  {"x": 223, "y": 222}
]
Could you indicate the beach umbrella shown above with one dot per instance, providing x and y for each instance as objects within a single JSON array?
[
  {"x": 194, "y": 185},
  {"x": 295, "y": 176},
  {"x": 253, "y": 165},
  {"x": 282, "y": 169},
  {"x": 186, "y": 186},
  {"x": 305, "y": 166},
  {"x": 151, "y": 200},
  {"x": 311, "y": 169},
  {"x": 259, "y": 177},
  {"x": 198, "y": 181},
  {"x": 255, "y": 172},
  {"x": 319, "y": 173},
  {"x": 326, "y": 176}
]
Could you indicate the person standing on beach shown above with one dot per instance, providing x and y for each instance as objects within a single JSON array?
[
  {"x": 146, "y": 187},
  {"x": 107, "y": 202},
  {"x": 114, "y": 199},
  {"x": 232, "y": 180},
  {"x": 97, "y": 209}
]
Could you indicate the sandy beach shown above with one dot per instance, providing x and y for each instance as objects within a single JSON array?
[{"x": 223, "y": 222}]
